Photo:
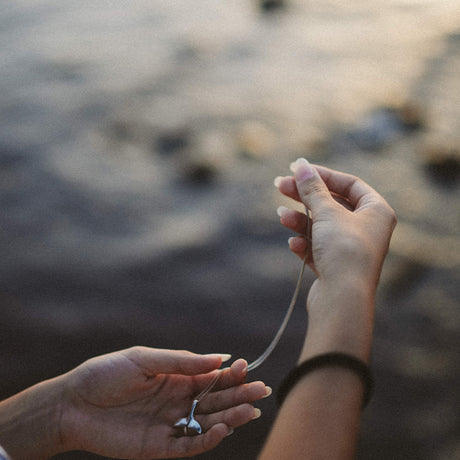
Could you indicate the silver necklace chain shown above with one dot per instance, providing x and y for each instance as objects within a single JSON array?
[{"x": 190, "y": 426}]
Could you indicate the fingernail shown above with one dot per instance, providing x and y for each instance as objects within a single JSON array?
[
  {"x": 290, "y": 240},
  {"x": 230, "y": 431},
  {"x": 240, "y": 366},
  {"x": 257, "y": 413},
  {"x": 224, "y": 356},
  {"x": 268, "y": 391},
  {"x": 277, "y": 181},
  {"x": 281, "y": 210},
  {"x": 302, "y": 169}
]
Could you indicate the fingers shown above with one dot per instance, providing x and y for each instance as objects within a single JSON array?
[
  {"x": 234, "y": 396},
  {"x": 298, "y": 223},
  {"x": 294, "y": 220},
  {"x": 216, "y": 427},
  {"x": 190, "y": 446},
  {"x": 347, "y": 189},
  {"x": 299, "y": 245},
  {"x": 360, "y": 195},
  {"x": 234, "y": 375},
  {"x": 229, "y": 377},
  {"x": 320, "y": 189},
  {"x": 312, "y": 190},
  {"x": 233, "y": 417},
  {"x": 154, "y": 361},
  {"x": 354, "y": 189},
  {"x": 287, "y": 186}
]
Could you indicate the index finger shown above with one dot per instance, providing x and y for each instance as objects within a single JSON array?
[
  {"x": 287, "y": 186},
  {"x": 355, "y": 190},
  {"x": 346, "y": 189}
]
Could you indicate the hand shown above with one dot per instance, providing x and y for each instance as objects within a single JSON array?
[
  {"x": 125, "y": 404},
  {"x": 351, "y": 223},
  {"x": 349, "y": 238},
  {"x": 350, "y": 234}
]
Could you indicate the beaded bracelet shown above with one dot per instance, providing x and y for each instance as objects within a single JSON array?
[{"x": 326, "y": 360}]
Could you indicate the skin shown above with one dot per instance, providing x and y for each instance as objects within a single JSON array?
[
  {"x": 351, "y": 230},
  {"x": 124, "y": 405}
]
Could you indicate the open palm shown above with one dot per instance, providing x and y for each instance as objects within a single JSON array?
[{"x": 125, "y": 404}]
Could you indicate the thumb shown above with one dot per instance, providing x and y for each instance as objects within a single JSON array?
[{"x": 312, "y": 190}]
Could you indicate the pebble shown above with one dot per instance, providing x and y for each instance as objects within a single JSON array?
[
  {"x": 200, "y": 172},
  {"x": 442, "y": 164},
  {"x": 120, "y": 130},
  {"x": 384, "y": 125},
  {"x": 173, "y": 140},
  {"x": 271, "y": 6},
  {"x": 255, "y": 140},
  {"x": 411, "y": 116},
  {"x": 10, "y": 157}
]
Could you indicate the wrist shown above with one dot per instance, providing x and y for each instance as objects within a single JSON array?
[
  {"x": 341, "y": 319},
  {"x": 29, "y": 422}
]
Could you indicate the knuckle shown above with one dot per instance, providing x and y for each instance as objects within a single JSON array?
[
  {"x": 394, "y": 218},
  {"x": 311, "y": 187},
  {"x": 134, "y": 351},
  {"x": 314, "y": 188},
  {"x": 388, "y": 212}
]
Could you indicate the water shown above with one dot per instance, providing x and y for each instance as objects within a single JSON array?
[{"x": 138, "y": 144}]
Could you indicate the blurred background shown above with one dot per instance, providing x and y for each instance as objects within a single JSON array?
[{"x": 138, "y": 145}]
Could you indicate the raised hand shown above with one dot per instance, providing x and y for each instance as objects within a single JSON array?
[
  {"x": 350, "y": 234},
  {"x": 351, "y": 223}
]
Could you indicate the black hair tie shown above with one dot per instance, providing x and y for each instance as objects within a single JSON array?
[{"x": 326, "y": 360}]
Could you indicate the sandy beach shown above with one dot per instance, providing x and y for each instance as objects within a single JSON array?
[{"x": 138, "y": 147}]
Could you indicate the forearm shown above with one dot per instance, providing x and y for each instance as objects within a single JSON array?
[
  {"x": 320, "y": 416},
  {"x": 29, "y": 422}
]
